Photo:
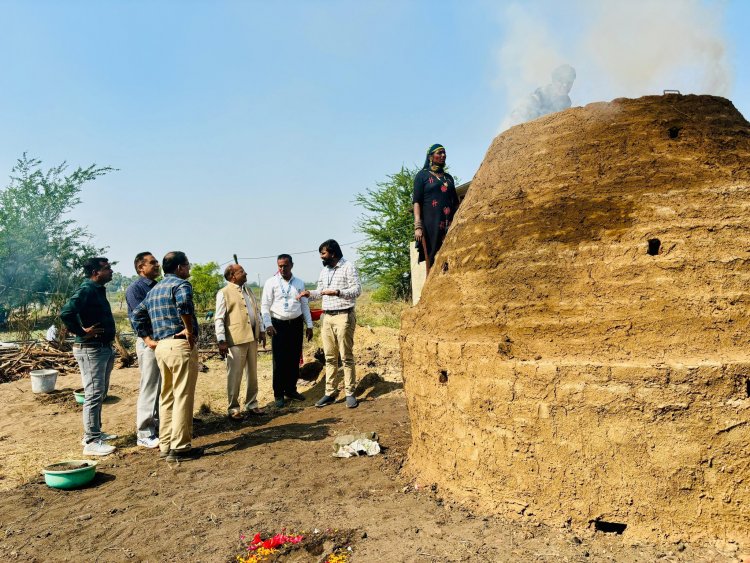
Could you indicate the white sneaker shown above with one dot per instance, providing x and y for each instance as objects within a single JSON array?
[
  {"x": 152, "y": 442},
  {"x": 98, "y": 447},
  {"x": 103, "y": 436}
]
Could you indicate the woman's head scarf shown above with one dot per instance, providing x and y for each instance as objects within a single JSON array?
[{"x": 432, "y": 150}]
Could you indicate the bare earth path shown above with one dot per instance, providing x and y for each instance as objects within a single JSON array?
[{"x": 265, "y": 474}]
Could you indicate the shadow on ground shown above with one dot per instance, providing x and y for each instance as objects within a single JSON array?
[{"x": 306, "y": 432}]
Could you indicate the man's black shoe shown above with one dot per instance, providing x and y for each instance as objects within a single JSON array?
[
  {"x": 296, "y": 395},
  {"x": 163, "y": 455},
  {"x": 184, "y": 455}
]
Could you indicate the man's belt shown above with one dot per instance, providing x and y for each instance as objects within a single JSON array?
[
  {"x": 286, "y": 320},
  {"x": 176, "y": 336},
  {"x": 92, "y": 344},
  {"x": 338, "y": 311}
]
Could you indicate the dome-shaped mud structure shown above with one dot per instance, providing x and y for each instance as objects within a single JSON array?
[{"x": 581, "y": 350}]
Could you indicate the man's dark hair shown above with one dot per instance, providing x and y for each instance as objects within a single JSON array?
[
  {"x": 93, "y": 265},
  {"x": 285, "y": 256},
  {"x": 172, "y": 261},
  {"x": 140, "y": 259},
  {"x": 331, "y": 246},
  {"x": 228, "y": 271}
]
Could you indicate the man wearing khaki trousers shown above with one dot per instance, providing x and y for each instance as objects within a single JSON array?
[
  {"x": 167, "y": 316},
  {"x": 239, "y": 328},
  {"x": 339, "y": 287}
]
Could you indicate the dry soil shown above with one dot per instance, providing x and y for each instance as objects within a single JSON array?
[{"x": 263, "y": 475}]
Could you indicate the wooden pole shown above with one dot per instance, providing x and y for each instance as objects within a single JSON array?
[{"x": 426, "y": 256}]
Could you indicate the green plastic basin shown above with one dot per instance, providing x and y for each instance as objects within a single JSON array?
[
  {"x": 70, "y": 474},
  {"x": 80, "y": 397}
]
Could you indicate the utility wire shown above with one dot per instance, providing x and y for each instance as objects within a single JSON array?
[{"x": 293, "y": 253}]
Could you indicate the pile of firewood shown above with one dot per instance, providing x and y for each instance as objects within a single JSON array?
[
  {"x": 18, "y": 362},
  {"x": 206, "y": 337},
  {"x": 125, "y": 358}
]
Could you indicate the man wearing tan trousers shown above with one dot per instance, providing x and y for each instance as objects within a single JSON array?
[
  {"x": 339, "y": 287},
  {"x": 239, "y": 328},
  {"x": 166, "y": 318}
]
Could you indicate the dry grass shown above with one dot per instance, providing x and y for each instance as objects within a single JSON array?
[{"x": 374, "y": 313}]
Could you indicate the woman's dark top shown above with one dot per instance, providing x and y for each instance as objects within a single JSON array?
[{"x": 439, "y": 202}]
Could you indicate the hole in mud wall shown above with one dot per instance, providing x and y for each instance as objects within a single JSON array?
[
  {"x": 609, "y": 527},
  {"x": 445, "y": 267},
  {"x": 654, "y": 247},
  {"x": 747, "y": 387},
  {"x": 443, "y": 377},
  {"x": 674, "y": 132}
]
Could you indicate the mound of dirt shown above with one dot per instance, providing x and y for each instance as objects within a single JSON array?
[{"x": 579, "y": 353}]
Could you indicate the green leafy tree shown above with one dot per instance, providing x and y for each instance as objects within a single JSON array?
[
  {"x": 120, "y": 282},
  {"x": 41, "y": 249},
  {"x": 388, "y": 224},
  {"x": 206, "y": 281}
]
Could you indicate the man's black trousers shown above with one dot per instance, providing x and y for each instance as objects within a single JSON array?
[{"x": 287, "y": 350}]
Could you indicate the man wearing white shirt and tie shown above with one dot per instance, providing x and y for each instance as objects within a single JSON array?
[
  {"x": 239, "y": 328},
  {"x": 283, "y": 315}
]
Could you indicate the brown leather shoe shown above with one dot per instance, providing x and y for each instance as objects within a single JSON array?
[{"x": 256, "y": 411}]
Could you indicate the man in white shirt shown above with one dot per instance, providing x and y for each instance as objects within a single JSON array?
[
  {"x": 339, "y": 286},
  {"x": 239, "y": 328},
  {"x": 283, "y": 314}
]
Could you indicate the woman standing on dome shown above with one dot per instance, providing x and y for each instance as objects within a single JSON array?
[{"x": 435, "y": 203}]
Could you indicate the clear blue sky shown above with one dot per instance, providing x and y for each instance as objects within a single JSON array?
[{"x": 248, "y": 127}]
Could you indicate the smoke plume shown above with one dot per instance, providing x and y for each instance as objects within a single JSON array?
[
  {"x": 618, "y": 49},
  {"x": 547, "y": 99}
]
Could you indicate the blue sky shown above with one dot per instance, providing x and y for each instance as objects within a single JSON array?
[{"x": 248, "y": 127}]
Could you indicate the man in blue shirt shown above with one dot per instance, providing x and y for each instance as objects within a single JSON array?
[
  {"x": 167, "y": 315},
  {"x": 147, "y": 407},
  {"x": 87, "y": 314}
]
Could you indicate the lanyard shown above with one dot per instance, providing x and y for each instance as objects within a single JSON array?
[
  {"x": 331, "y": 276},
  {"x": 285, "y": 294}
]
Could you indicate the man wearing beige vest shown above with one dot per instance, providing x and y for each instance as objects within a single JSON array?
[{"x": 239, "y": 328}]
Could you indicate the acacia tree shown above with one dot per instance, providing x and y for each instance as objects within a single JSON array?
[
  {"x": 388, "y": 224},
  {"x": 41, "y": 249}
]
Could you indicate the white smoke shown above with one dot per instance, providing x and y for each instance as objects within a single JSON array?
[
  {"x": 547, "y": 99},
  {"x": 618, "y": 48}
]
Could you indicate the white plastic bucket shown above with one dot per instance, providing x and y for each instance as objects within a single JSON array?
[{"x": 43, "y": 380}]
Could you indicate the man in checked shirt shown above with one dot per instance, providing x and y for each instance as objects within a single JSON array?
[
  {"x": 339, "y": 286},
  {"x": 167, "y": 316}
]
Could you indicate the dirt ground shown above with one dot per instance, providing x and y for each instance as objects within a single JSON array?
[{"x": 266, "y": 474}]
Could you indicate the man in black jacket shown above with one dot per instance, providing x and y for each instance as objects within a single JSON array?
[{"x": 87, "y": 314}]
